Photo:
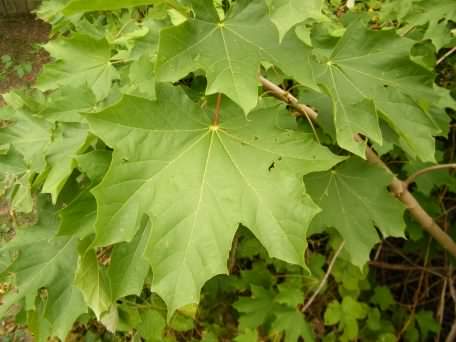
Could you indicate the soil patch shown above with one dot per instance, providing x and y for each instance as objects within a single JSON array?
[{"x": 21, "y": 56}]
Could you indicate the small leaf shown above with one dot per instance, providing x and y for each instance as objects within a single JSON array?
[
  {"x": 287, "y": 13},
  {"x": 294, "y": 325},
  {"x": 354, "y": 198}
]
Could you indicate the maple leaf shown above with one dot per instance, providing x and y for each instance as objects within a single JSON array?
[
  {"x": 229, "y": 50},
  {"x": 435, "y": 15},
  {"x": 70, "y": 139},
  {"x": 369, "y": 75},
  {"x": 354, "y": 198},
  {"x": 80, "y": 60},
  {"x": 197, "y": 182},
  {"x": 102, "y": 286},
  {"x": 78, "y": 6},
  {"x": 46, "y": 262},
  {"x": 29, "y": 135},
  {"x": 287, "y": 13}
]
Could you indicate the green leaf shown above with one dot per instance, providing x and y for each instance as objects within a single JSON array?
[
  {"x": 287, "y": 13},
  {"x": 247, "y": 335},
  {"x": 94, "y": 164},
  {"x": 65, "y": 104},
  {"x": 333, "y": 313},
  {"x": 290, "y": 293},
  {"x": 92, "y": 280},
  {"x": 44, "y": 261},
  {"x": 257, "y": 308},
  {"x": 199, "y": 181},
  {"x": 128, "y": 268},
  {"x": 78, "y": 218},
  {"x": 152, "y": 326},
  {"x": 141, "y": 79},
  {"x": 368, "y": 74},
  {"x": 69, "y": 140},
  {"x": 427, "y": 323},
  {"x": 30, "y": 137},
  {"x": 382, "y": 296},
  {"x": 80, "y": 60},
  {"x": 294, "y": 325},
  {"x": 434, "y": 14},
  {"x": 355, "y": 200},
  {"x": 346, "y": 314},
  {"x": 78, "y": 6},
  {"x": 229, "y": 51}
]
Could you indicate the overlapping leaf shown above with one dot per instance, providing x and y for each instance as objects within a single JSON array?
[
  {"x": 228, "y": 50},
  {"x": 46, "y": 262},
  {"x": 287, "y": 13},
  {"x": 80, "y": 60},
  {"x": 197, "y": 182},
  {"x": 435, "y": 15},
  {"x": 69, "y": 140},
  {"x": 355, "y": 200},
  {"x": 78, "y": 6},
  {"x": 369, "y": 75}
]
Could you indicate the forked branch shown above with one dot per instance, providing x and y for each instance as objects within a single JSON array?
[
  {"x": 397, "y": 187},
  {"x": 412, "y": 178}
]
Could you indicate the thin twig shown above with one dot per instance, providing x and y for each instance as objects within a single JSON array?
[
  {"x": 416, "y": 295},
  {"x": 397, "y": 187},
  {"x": 412, "y": 178},
  {"x": 452, "y": 334},
  {"x": 400, "y": 267},
  {"x": 441, "y": 59},
  {"x": 441, "y": 308},
  {"x": 325, "y": 278},
  {"x": 216, "y": 116}
]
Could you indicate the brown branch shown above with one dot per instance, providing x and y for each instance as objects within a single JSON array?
[
  {"x": 397, "y": 187},
  {"x": 216, "y": 116},
  {"x": 441, "y": 59},
  {"x": 325, "y": 278},
  {"x": 412, "y": 178}
]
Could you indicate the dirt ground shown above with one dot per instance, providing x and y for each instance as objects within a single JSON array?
[{"x": 20, "y": 39}]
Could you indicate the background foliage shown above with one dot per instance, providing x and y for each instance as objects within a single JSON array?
[{"x": 155, "y": 191}]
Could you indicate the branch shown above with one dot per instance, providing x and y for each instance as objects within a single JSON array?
[
  {"x": 441, "y": 59},
  {"x": 288, "y": 98},
  {"x": 325, "y": 278},
  {"x": 397, "y": 187},
  {"x": 412, "y": 178}
]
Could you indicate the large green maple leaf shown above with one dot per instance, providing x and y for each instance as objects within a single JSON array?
[
  {"x": 369, "y": 75},
  {"x": 197, "y": 182},
  {"x": 355, "y": 200},
  {"x": 229, "y": 50}
]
